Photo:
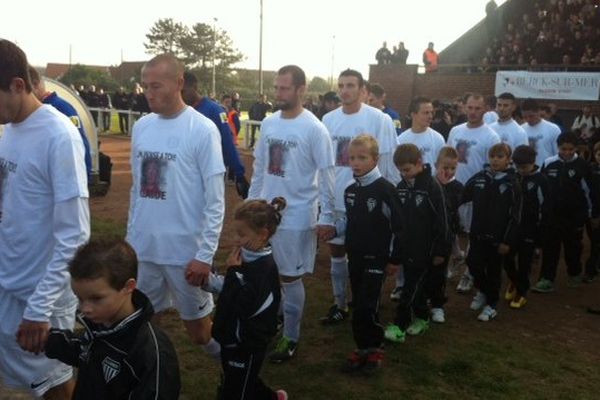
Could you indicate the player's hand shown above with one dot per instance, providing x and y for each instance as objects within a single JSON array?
[
  {"x": 235, "y": 257},
  {"x": 196, "y": 273},
  {"x": 503, "y": 249},
  {"x": 32, "y": 335},
  {"x": 595, "y": 222},
  {"x": 325, "y": 232},
  {"x": 392, "y": 269},
  {"x": 242, "y": 186},
  {"x": 437, "y": 260}
]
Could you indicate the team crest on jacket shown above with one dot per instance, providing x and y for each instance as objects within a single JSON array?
[
  {"x": 530, "y": 185},
  {"x": 371, "y": 204},
  {"x": 571, "y": 173},
  {"x": 503, "y": 188},
  {"x": 110, "y": 368},
  {"x": 418, "y": 200}
]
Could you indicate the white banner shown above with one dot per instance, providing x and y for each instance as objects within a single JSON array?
[{"x": 549, "y": 85}]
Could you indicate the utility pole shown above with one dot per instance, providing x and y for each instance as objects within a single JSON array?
[
  {"x": 260, "y": 52},
  {"x": 214, "y": 52}
]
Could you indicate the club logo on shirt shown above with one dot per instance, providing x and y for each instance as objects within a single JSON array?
[
  {"x": 278, "y": 153},
  {"x": 223, "y": 117},
  {"x": 110, "y": 369},
  {"x": 75, "y": 120},
  {"x": 571, "y": 173},
  {"x": 371, "y": 204},
  {"x": 502, "y": 188},
  {"x": 418, "y": 199}
]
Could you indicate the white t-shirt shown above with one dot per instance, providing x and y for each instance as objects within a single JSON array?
[
  {"x": 287, "y": 158},
  {"x": 429, "y": 143},
  {"x": 472, "y": 145},
  {"x": 343, "y": 128},
  {"x": 490, "y": 117},
  {"x": 41, "y": 164},
  {"x": 172, "y": 160},
  {"x": 542, "y": 137},
  {"x": 511, "y": 133}
]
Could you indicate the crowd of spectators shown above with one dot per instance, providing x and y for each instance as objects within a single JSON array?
[{"x": 554, "y": 32}]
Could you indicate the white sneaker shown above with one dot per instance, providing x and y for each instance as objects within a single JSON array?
[
  {"x": 396, "y": 293},
  {"x": 479, "y": 301},
  {"x": 465, "y": 284},
  {"x": 487, "y": 314},
  {"x": 438, "y": 315}
]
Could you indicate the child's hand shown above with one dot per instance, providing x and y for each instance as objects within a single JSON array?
[
  {"x": 325, "y": 232},
  {"x": 391, "y": 269},
  {"x": 503, "y": 249},
  {"x": 235, "y": 257},
  {"x": 437, "y": 260}
]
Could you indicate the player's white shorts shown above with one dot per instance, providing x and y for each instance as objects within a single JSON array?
[
  {"x": 20, "y": 369},
  {"x": 165, "y": 286},
  {"x": 340, "y": 239},
  {"x": 294, "y": 251},
  {"x": 465, "y": 215}
]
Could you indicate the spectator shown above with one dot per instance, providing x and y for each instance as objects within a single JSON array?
[
  {"x": 91, "y": 100},
  {"x": 104, "y": 103},
  {"x": 430, "y": 58},
  {"x": 329, "y": 102},
  {"x": 383, "y": 55},
  {"x": 258, "y": 112},
  {"x": 377, "y": 98},
  {"x": 122, "y": 101},
  {"x": 585, "y": 122}
]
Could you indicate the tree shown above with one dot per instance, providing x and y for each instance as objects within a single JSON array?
[
  {"x": 84, "y": 75},
  {"x": 166, "y": 36},
  {"x": 318, "y": 85}
]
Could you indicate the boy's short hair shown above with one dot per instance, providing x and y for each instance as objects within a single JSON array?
[
  {"x": 524, "y": 154},
  {"x": 114, "y": 261},
  {"x": 500, "y": 148},
  {"x": 407, "y": 153},
  {"x": 447, "y": 152},
  {"x": 368, "y": 141},
  {"x": 567, "y": 137}
]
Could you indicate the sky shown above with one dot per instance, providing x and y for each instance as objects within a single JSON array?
[{"x": 320, "y": 36}]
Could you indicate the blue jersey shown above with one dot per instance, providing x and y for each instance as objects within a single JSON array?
[
  {"x": 67, "y": 109},
  {"x": 395, "y": 118},
  {"x": 213, "y": 111}
]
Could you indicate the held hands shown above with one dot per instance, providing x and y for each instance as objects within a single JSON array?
[
  {"x": 235, "y": 258},
  {"x": 325, "y": 232},
  {"x": 196, "y": 273},
  {"x": 503, "y": 249},
  {"x": 242, "y": 186},
  {"x": 32, "y": 335},
  {"x": 391, "y": 269}
]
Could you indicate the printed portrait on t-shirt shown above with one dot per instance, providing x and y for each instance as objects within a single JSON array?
[
  {"x": 277, "y": 152},
  {"x": 462, "y": 148},
  {"x": 342, "y": 154},
  {"x": 533, "y": 142},
  {"x": 3, "y": 180},
  {"x": 152, "y": 178}
]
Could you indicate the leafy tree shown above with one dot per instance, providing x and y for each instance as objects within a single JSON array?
[
  {"x": 166, "y": 36},
  {"x": 84, "y": 75},
  {"x": 318, "y": 85}
]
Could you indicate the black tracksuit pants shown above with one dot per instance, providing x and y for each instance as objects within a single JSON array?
[
  {"x": 367, "y": 274},
  {"x": 486, "y": 266},
  {"x": 518, "y": 270},
  {"x": 570, "y": 238},
  {"x": 413, "y": 300},
  {"x": 592, "y": 264},
  {"x": 435, "y": 284},
  {"x": 240, "y": 372}
]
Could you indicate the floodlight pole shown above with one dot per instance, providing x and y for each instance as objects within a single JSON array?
[
  {"x": 214, "y": 51},
  {"x": 260, "y": 52}
]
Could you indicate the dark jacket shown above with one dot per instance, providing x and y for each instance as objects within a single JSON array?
[
  {"x": 246, "y": 314},
  {"x": 423, "y": 215},
  {"x": 372, "y": 218},
  {"x": 453, "y": 191},
  {"x": 570, "y": 183},
  {"x": 497, "y": 204},
  {"x": 130, "y": 360},
  {"x": 537, "y": 206}
]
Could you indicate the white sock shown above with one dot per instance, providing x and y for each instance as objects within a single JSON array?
[
  {"x": 293, "y": 307},
  {"x": 339, "y": 277},
  {"x": 213, "y": 349},
  {"x": 400, "y": 277}
]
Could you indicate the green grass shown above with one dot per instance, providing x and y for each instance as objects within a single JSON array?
[{"x": 458, "y": 360}]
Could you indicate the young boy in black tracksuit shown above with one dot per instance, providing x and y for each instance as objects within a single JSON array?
[
  {"x": 592, "y": 266},
  {"x": 246, "y": 314},
  {"x": 371, "y": 221},
  {"x": 569, "y": 180},
  {"x": 121, "y": 354},
  {"x": 534, "y": 221},
  {"x": 424, "y": 240},
  {"x": 436, "y": 278},
  {"x": 497, "y": 203}
]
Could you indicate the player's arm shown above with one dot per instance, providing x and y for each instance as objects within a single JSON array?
[
  {"x": 322, "y": 150},
  {"x": 388, "y": 141},
  {"x": 231, "y": 156},
  {"x": 258, "y": 175}
]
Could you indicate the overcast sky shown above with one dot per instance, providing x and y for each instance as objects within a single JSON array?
[{"x": 299, "y": 32}]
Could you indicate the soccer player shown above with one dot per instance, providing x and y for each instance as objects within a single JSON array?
[
  {"x": 506, "y": 127},
  {"x": 294, "y": 160},
  {"x": 44, "y": 218},
  {"x": 177, "y": 200},
  {"x": 542, "y": 134}
]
